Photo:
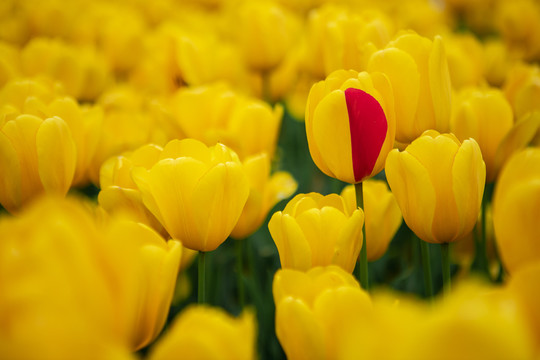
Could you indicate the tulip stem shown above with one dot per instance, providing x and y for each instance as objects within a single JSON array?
[
  {"x": 202, "y": 278},
  {"x": 426, "y": 267},
  {"x": 362, "y": 273},
  {"x": 445, "y": 261},
  {"x": 240, "y": 270}
]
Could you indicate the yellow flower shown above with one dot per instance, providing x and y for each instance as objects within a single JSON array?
[
  {"x": 418, "y": 71},
  {"x": 203, "y": 332},
  {"x": 350, "y": 124},
  {"x": 383, "y": 215},
  {"x": 466, "y": 60},
  {"x": 522, "y": 88},
  {"x": 315, "y": 311},
  {"x": 516, "y": 205},
  {"x": 265, "y": 191},
  {"x": 316, "y": 230},
  {"x": 438, "y": 183},
  {"x": 95, "y": 290},
  {"x": 215, "y": 113},
  {"x": 486, "y": 116},
  {"x": 36, "y": 155},
  {"x": 196, "y": 192}
]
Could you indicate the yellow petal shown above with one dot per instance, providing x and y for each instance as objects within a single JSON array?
[
  {"x": 439, "y": 82},
  {"x": 293, "y": 248},
  {"x": 186, "y": 148},
  {"x": 280, "y": 186},
  {"x": 350, "y": 241},
  {"x": 10, "y": 181}
]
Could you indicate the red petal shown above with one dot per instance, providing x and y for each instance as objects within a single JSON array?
[{"x": 368, "y": 126}]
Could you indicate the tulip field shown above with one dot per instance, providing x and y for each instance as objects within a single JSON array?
[{"x": 269, "y": 179}]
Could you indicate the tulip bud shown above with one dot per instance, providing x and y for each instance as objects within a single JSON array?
[
  {"x": 438, "y": 183},
  {"x": 350, "y": 124},
  {"x": 418, "y": 71},
  {"x": 516, "y": 205},
  {"x": 196, "y": 192},
  {"x": 316, "y": 230},
  {"x": 383, "y": 216}
]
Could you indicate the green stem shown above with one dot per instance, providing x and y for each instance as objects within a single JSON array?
[
  {"x": 445, "y": 261},
  {"x": 240, "y": 271},
  {"x": 202, "y": 278},
  {"x": 362, "y": 273},
  {"x": 426, "y": 267}
]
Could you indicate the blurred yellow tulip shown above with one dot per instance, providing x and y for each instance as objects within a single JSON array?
[
  {"x": 522, "y": 88},
  {"x": 207, "y": 333},
  {"x": 438, "y": 183},
  {"x": 92, "y": 289},
  {"x": 196, "y": 192},
  {"x": 485, "y": 115},
  {"x": 382, "y": 215},
  {"x": 316, "y": 230},
  {"x": 350, "y": 124},
  {"x": 418, "y": 71},
  {"x": 516, "y": 205},
  {"x": 466, "y": 59},
  {"x": 265, "y": 191}
]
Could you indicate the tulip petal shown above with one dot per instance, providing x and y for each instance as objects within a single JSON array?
[
  {"x": 10, "y": 181},
  {"x": 186, "y": 148},
  {"x": 56, "y": 154},
  {"x": 349, "y": 242},
  {"x": 439, "y": 85},
  {"x": 280, "y": 186},
  {"x": 294, "y": 250}
]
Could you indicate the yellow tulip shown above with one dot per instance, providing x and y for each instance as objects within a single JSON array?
[
  {"x": 9, "y": 63},
  {"x": 522, "y": 88},
  {"x": 316, "y": 230},
  {"x": 350, "y": 124},
  {"x": 37, "y": 156},
  {"x": 215, "y": 113},
  {"x": 315, "y": 311},
  {"x": 203, "y": 332},
  {"x": 97, "y": 291},
  {"x": 196, "y": 192},
  {"x": 486, "y": 116},
  {"x": 438, "y": 183},
  {"x": 418, "y": 71},
  {"x": 466, "y": 60},
  {"x": 265, "y": 191},
  {"x": 516, "y": 205},
  {"x": 383, "y": 215}
]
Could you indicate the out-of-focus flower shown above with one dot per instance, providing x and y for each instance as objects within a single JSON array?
[
  {"x": 497, "y": 62},
  {"x": 203, "y": 332},
  {"x": 81, "y": 70},
  {"x": 438, "y": 183},
  {"x": 350, "y": 124},
  {"x": 316, "y": 310},
  {"x": 338, "y": 38},
  {"x": 37, "y": 155},
  {"x": 465, "y": 56},
  {"x": 215, "y": 113},
  {"x": 10, "y": 60},
  {"x": 316, "y": 230},
  {"x": 196, "y": 192},
  {"x": 382, "y": 215},
  {"x": 99, "y": 292},
  {"x": 265, "y": 191},
  {"x": 515, "y": 210},
  {"x": 418, "y": 71},
  {"x": 522, "y": 88},
  {"x": 485, "y": 115}
]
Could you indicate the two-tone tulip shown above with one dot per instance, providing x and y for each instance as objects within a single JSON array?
[
  {"x": 438, "y": 183},
  {"x": 316, "y": 230},
  {"x": 350, "y": 124}
]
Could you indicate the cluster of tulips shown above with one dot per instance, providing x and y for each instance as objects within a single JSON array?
[{"x": 140, "y": 141}]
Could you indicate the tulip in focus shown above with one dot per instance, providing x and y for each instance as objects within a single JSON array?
[
  {"x": 265, "y": 191},
  {"x": 516, "y": 205},
  {"x": 438, "y": 183},
  {"x": 316, "y": 230},
  {"x": 418, "y": 71},
  {"x": 382, "y": 219},
  {"x": 196, "y": 192},
  {"x": 350, "y": 124}
]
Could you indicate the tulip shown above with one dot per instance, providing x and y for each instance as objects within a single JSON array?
[
  {"x": 265, "y": 192},
  {"x": 383, "y": 215},
  {"x": 486, "y": 116},
  {"x": 522, "y": 89},
  {"x": 99, "y": 291},
  {"x": 202, "y": 332},
  {"x": 37, "y": 156},
  {"x": 418, "y": 71},
  {"x": 438, "y": 183},
  {"x": 197, "y": 193},
  {"x": 466, "y": 60},
  {"x": 515, "y": 210},
  {"x": 316, "y": 230},
  {"x": 350, "y": 124}
]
